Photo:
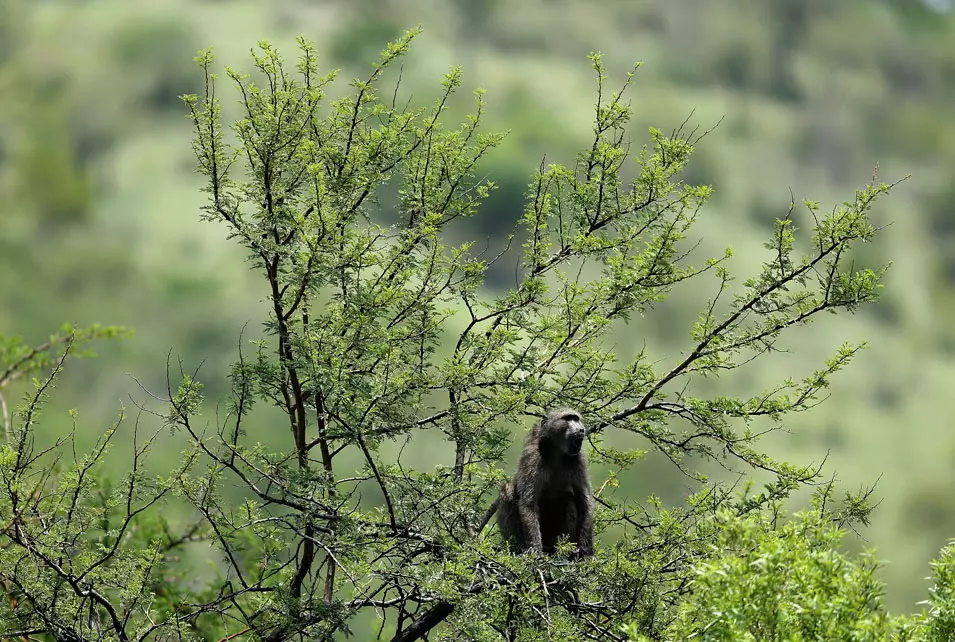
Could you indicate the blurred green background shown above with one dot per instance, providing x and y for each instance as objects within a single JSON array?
[{"x": 99, "y": 200}]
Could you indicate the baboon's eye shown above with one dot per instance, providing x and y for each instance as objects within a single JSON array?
[{"x": 571, "y": 417}]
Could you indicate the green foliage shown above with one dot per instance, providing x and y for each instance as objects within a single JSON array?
[
  {"x": 939, "y": 622},
  {"x": 785, "y": 583},
  {"x": 771, "y": 581},
  {"x": 18, "y": 360},
  {"x": 872, "y": 85},
  {"x": 379, "y": 334},
  {"x": 59, "y": 528}
]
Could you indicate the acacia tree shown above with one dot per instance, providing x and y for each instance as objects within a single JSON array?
[{"x": 381, "y": 340}]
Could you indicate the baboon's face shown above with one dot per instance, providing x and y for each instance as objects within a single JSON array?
[{"x": 566, "y": 428}]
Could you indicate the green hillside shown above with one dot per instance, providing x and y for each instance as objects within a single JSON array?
[{"x": 99, "y": 198}]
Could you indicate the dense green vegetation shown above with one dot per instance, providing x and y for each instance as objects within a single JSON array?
[
  {"x": 381, "y": 339},
  {"x": 98, "y": 195}
]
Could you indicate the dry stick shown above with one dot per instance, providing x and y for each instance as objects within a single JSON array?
[
  {"x": 602, "y": 487},
  {"x": 5, "y": 417},
  {"x": 236, "y": 634}
]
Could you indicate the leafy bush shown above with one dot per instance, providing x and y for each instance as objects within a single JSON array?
[
  {"x": 774, "y": 582},
  {"x": 781, "y": 583}
]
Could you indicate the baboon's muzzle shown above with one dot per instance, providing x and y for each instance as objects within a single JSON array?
[{"x": 574, "y": 443}]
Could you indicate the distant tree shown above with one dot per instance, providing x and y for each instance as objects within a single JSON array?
[
  {"x": 381, "y": 341},
  {"x": 156, "y": 52},
  {"x": 791, "y": 22}
]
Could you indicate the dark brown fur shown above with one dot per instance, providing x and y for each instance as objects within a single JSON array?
[{"x": 549, "y": 497}]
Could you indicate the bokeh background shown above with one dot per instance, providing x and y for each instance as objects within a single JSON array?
[{"x": 99, "y": 201}]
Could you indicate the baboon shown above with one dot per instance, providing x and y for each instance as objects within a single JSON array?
[{"x": 550, "y": 495}]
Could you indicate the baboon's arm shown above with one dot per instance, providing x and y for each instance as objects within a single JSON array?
[
  {"x": 527, "y": 509},
  {"x": 585, "y": 524},
  {"x": 527, "y": 490}
]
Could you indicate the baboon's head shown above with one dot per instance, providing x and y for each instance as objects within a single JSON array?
[{"x": 564, "y": 429}]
